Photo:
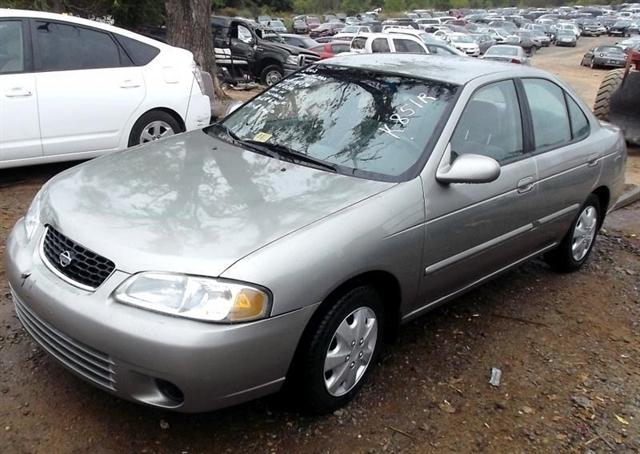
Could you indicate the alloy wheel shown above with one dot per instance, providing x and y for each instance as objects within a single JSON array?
[
  {"x": 584, "y": 233},
  {"x": 156, "y": 130}
]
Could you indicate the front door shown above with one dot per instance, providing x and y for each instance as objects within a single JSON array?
[
  {"x": 476, "y": 230},
  {"x": 19, "y": 123}
]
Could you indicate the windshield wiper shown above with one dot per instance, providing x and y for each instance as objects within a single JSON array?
[
  {"x": 287, "y": 152},
  {"x": 245, "y": 143}
]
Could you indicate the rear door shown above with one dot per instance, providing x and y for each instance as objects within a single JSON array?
[
  {"x": 475, "y": 230},
  {"x": 88, "y": 89},
  {"x": 19, "y": 123}
]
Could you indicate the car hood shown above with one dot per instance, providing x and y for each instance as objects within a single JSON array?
[{"x": 191, "y": 203}]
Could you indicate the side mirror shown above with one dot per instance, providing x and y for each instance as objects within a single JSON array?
[
  {"x": 232, "y": 107},
  {"x": 469, "y": 168}
]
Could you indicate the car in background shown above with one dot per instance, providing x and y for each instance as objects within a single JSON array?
[
  {"x": 568, "y": 27},
  {"x": 326, "y": 29},
  {"x": 331, "y": 49},
  {"x": 566, "y": 38},
  {"x": 502, "y": 37},
  {"x": 507, "y": 54},
  {"x": 629, "y": 43},
  {"x": 276, "y": 26},
  {"x": 541, "y": 37},
  {"x": 464, "y": 43},
  {"x": 350, "y": 31},
  {"x": 605, "y": 56},
  {"x": 281, "y": 247},
  {"x": 300, "y": 27},
  {"x": 304, "y": 24},
  {"x": 484, "y": 41},
  {"x": 291, "y": 39},
  {"x": 444, "y": 49},
  {"x": 591, "y": 27},
  {"x": 620, "y": 28},
  {"x": 368, "y": 43},
  {"x": 75, "y": 89},
  {"x": 528, "y": 41}
]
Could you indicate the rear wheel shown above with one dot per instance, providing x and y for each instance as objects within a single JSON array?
[
  {"x": 608, "y": 86},
  {"x": 576, "y": 246},
  {"x": 154, "y": 125},
  {"x": 339, "y": 351}
]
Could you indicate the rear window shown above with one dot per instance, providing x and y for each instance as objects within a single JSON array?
[{"x": 140, "y": 53}]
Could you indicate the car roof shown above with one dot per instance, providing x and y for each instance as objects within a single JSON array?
[
  {"x": 6, "y": 12},
  {"x": 456, "y": 70}
]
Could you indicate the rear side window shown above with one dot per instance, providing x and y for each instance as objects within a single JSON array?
[
  {"x": 380, "y": 46},
  {"x": 406, "y": 46},
  {"x": 548, "y": 113},
  {"x": 579, "y": 122},
  {"x": 358, "y": 43},
  {"x": 140, "y": 53},
  {"x": 66, "y": 47},
  {"x": 11, "y": 47}
]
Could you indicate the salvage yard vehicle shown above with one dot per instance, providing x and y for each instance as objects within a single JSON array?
[
  {"x": 566, "y": 38},
  {"x": 367, "y": 43},
  {"x": 289, "y": 241},
  {"x": 604, "y": 56},
  {"x": 506, "y": 54},
  {"x": 243, "y": 55},
  {"x": 75, "y": 89}
]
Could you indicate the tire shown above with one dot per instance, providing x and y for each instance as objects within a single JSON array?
[
  {"x": 608, "y": 86},
  {"x": 311, "y": 380},
  {"x": 165, "y": 123},
  {"x": 575, "y": 248},
  {"x": 271, "y": 75}
]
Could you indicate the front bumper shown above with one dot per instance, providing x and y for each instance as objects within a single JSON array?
[
  {"x": 199, "y": 111},
  {"x": 134, "y": 353}
]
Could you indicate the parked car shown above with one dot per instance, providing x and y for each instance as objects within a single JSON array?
[
  {"x": 331, "y": 49},
  {"x": 286, "y": 243},
  {"x": 541, "y": 37},
  {"x": 75, "y": 89},
  {"x": 566, "y": 38},
  {"x": 244, "y": 55},
  {"x": 465, "y": 43},
  {"x": 327, "y": 29},
  {"x": 444, "y": 49},
  {"x": 484, "y": 41},
  {"x": 300, "y": 27},
  {"x": 506, "y": 53},
  {"x": 292, "y": 40},
  {"x": 350, "y": 31},
  {"x": 367, "y": 43},
  {"x": 620, "y": 28},
  {"x": 528, "y": 41},
  {"x": 276, "y": 26},
  {"x": 591, "y": 28},
  {"x": 604, "y": 56}
]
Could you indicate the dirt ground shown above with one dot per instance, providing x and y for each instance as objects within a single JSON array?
[{"x": 568, "y": 346}]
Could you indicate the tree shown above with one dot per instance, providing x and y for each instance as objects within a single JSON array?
[{"x": 189, "y": 27}]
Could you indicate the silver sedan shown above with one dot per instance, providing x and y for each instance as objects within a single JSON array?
[{"x": 286, "y": 243}]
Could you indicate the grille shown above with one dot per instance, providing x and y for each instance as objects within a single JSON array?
[
  {"x": 87, "y": 362},
  {"x": 85, "y": 267}
]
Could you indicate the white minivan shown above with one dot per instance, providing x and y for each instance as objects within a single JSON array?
[{"x": 74, "y": 89}]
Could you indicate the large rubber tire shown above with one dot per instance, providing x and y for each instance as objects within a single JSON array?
[
  {"x": 149, "y": 118},
  {"x": 608, "y": 86},
  {"x": 267, "y": 75},
  {"x": 561, "y": 258},
  {"x": 307, "y": 378}
]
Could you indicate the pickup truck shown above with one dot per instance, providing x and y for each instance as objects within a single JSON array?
[{"x": 244, "y": 56}]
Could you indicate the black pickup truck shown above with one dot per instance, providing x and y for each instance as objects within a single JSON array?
[{"x": 243, "y": 55}]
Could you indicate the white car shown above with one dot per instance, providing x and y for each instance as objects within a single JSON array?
[
  {"x": 367, "y": 43},
  {"x": 74, "y": 89},
  {"x": 464, "y": 43}
]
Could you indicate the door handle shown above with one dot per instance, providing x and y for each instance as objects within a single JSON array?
[
  {"x": 526, "y": 185},
  {"x": 18, "y": 92},
  {"x": 593, "y": 161},
  {"x": 129, "y": 84}
]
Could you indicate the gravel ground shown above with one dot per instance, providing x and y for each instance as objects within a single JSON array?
[{"x": 567, "y": 344}]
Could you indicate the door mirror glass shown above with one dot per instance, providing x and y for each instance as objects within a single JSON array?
[{"x": 469, "y": 168}]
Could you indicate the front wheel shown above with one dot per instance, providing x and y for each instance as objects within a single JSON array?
[
  {"x": 271, "y": 75},
  {"x": 576, "y": 246},
  {"x": 339, "y": 351}
]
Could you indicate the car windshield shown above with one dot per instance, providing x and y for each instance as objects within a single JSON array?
[
  {"x": 276, "y": 23},
  {"x": 462, "y": 39},
  {"x": 502, "y": 50},
  {"x": 366, "y": 124},
  {"x": 622, "y": 23}
]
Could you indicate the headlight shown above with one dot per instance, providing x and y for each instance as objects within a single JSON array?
[
  {"x": 199, "y": 298},
  {"x": 32, "y": 218},
  {"x": 293, "y": 60}
]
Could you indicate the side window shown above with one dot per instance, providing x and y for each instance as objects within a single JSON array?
[
  {"x": 380, "y": 45},
  {"x": 579, "y": 122},
  {"x": 548, "y": 112},
  {"x": 11, "y": 47},
  {"x": 358, "y": 43},
  {"x": 140, "y": 53},
  {"x": 490, "y": 124},
  {"x": 67, "y": 47},
  {"x": 406, "y": 46},
  {"x": 339, "y": 48}
]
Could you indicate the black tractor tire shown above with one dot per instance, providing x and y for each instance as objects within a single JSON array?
[{"x": 608, "y": 86}]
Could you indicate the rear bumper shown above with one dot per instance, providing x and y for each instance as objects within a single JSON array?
[
  {"x": 199, "y": 112},
  {"x": 133, "y": 353}
]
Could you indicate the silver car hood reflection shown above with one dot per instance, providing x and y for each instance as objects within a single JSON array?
[{"x": 192, "y": 203}]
